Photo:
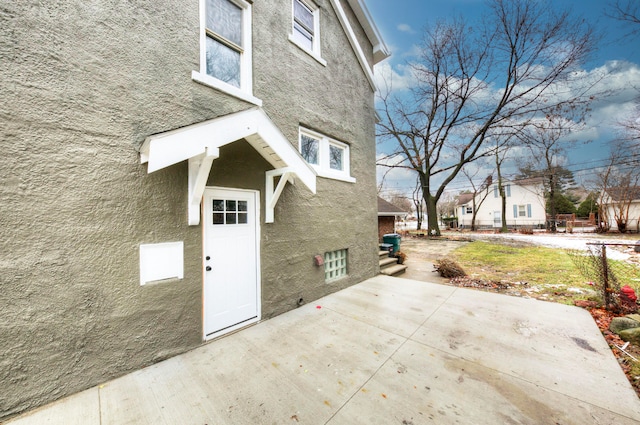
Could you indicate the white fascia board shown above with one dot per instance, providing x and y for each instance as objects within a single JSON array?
[
  {"x": 272, "y": 135},
  {"x": 380, "y": 50},
  {"x": 351, "y": 36},
  {"x": 171, "y": 147}
]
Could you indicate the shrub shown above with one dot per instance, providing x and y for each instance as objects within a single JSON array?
[{"x": 448, "y": 268}]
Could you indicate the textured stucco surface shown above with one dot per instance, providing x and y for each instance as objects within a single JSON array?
[{"x": 83, "y": 83}]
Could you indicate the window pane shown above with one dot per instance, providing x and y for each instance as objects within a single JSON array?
[
  {"x": 302, "y": 37},
  {"x": 218, "y": 205},
  {"x": 231, "y": 205},
  {"x": 242, "y": 218},
  {"x": 223, "y": 62},
  {"x": 242, "y": 205},
  {"x": 303, "y": 15},
  {"x": 309, "y": 149},
  {"x": 225, "y": 19},
  {"x": 218, "y": 218},
  {"x": 335, "y": 157},
  {"x": 231, "y": 218}
]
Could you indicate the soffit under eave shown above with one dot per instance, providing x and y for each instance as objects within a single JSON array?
[
  {"x": 355, "y": 45},
  {"x": 380, "y": 50},
  {"x": 253, "y": 125}
]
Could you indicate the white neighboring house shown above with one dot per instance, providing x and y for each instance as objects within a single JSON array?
[
  {"x": 525, "y": 205},
  {"x": 613, "y": 201}
]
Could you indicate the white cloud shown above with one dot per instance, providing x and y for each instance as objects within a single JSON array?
[
  {"x": 398, "y": 78},
  {"x": 406, "y": 28}
]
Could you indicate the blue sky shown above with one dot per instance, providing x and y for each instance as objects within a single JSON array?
[{"x": 401, "y": 23}]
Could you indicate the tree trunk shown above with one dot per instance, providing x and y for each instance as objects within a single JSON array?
[
  {"x": 473, "y": 215},
  {"x": 432, "y": 214},
  {"x": 551, "y": 227},
  {"x": 503, "y": 199}
]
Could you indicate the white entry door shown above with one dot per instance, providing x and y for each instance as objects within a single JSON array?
[{"x": 231, "y": 260}]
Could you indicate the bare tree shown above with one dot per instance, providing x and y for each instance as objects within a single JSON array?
[
  {"x": 548, "y": 141},
  {"x": 627, "y": 12},
  {"x": 479, "y": 192},
  {"x": 401, "y": 201},
  {"x": 418, "y": 203},
  {"x": 472, "y": 80},
  {"x": 618, "y": 188}
]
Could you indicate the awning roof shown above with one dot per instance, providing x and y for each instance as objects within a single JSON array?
[{"x": 200, "y": 143}]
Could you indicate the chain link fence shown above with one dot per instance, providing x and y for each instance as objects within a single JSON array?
[{"x": 611, "y": 278}]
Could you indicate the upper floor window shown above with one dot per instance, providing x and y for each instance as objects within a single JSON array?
[
  {"x": 224, "y": 40},
  {"x": 225, "y": 47},
  {"x": 328, "y": 157},
  {"x": 306, "y": 28}
]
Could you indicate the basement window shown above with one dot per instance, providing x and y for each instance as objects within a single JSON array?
[{"x": 335, "y": 265}]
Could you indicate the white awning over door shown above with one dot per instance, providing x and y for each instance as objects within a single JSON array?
[{"x": 200, "y": 143}]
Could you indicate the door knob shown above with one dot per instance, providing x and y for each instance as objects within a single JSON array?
[{"x": 208, "y": 268}]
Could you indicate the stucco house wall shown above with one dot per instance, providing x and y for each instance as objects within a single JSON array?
[
  {"x": 528, "y": 195},
  {"x": 84, "y": 84}
]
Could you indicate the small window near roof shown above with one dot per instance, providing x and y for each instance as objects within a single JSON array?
[
  {"x": 303, "y": 24},
  {"x": 305, "y": 31}
]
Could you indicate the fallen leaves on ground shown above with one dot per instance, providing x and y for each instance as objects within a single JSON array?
[{"x": 603, "y": 319}]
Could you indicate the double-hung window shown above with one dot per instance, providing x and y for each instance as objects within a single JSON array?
[
  {"x": 522, "y": 211},
  {"x": 306, "y": 28},
  {"x": 328, "y": 157},
  {"x": 225, "y": 47}
]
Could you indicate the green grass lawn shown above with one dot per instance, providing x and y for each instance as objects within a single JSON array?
[
  {"x": 549, "y": 273},
  {"x": 535, "y": 265}
]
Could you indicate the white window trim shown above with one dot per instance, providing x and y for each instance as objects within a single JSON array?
[
  {"x": 323, "y": 169},
  {"x": 315, "y": 51},
  {"x": 245, "y": 92}
]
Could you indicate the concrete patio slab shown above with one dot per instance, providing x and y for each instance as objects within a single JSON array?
[{"x": 385, "y": 351}]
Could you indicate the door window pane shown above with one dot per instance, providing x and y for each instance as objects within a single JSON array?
[
  {"x": 218, "y": 218},
  {"x": 231, "y": 218},
  {"x": 230, "y": 211},
  {"x": 218, "y": 205}
]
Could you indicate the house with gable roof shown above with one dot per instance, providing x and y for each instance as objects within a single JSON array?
[
  {"x": 388, "y": 215},
  {"x": 621, "y": 204},
  {"x": 174, "y": 171},
  {"x": 525, "y": 205}
]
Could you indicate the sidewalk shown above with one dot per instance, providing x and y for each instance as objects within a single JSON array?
[{"x": 385, "y": 351}]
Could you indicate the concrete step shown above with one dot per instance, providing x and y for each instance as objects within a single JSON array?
[
  {"x": 383, "y": 253},
  {"x": 394, "y": 270},
  {"x": 388, "y": 260}
]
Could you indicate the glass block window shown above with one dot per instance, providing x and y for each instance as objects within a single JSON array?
[
  {"x": 335, "y": 265},
  {"x": 228, "y": 211}
]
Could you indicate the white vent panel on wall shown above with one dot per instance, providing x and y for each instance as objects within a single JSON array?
[{"x": 161, "y": 261}]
